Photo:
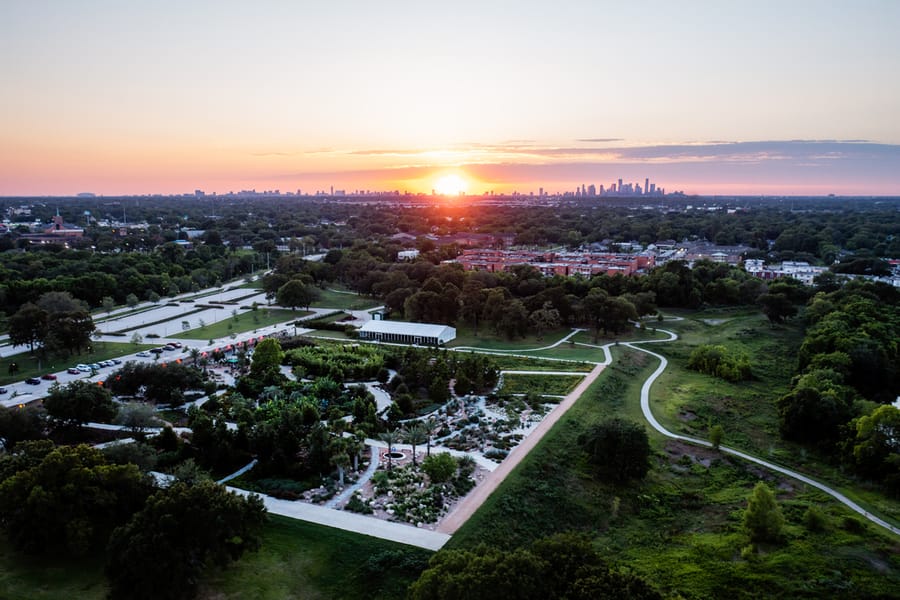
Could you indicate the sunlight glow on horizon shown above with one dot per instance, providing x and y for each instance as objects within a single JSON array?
[{"x": 145, "y": 98}]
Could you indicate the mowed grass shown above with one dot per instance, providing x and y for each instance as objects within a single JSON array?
[
  {"x": 488, "y": 340},
  {"x": 304, "y": 560},
  {"x": 246, "y": 321},
  {"x": 553, "y": 385},
  {"x": 42, "y": 578},
  {"x": 343, "y": 301},
  {"x": 28, "y": 363},
  {"x": 681, "y": 526},
  {"x": 296, "y": 560}
]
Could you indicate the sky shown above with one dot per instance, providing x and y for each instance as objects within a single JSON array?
[{"x": 703, "y": 96}]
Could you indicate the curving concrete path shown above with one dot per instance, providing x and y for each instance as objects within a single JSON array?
[{"x": 648, "y": 415}]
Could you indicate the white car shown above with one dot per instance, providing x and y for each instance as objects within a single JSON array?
[
  {"x": 143, "y": 354},
  {"x": 83, "y": 368}
]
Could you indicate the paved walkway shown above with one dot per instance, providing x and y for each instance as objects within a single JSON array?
[
  {"x": 473, "y": 501},
  {"x": 363, "y": 479},
  {"x": 648, "y": 415},
  {"x": 348, "y": 521}
]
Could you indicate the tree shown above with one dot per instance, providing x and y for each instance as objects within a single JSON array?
[
  {"x": 28, "y": 325},
  {"x": 414, "y": 434},
  {"x": 162, "y": 551},
  {"x": 69, "y": 502},
  {"x": 619, "y": 450},
  {"x": 108, "y": 303},
  {"x": 390, "y": 437},
  {"x": 79, "y": 402},
  {"x": 875, "y": 447},
  {"x": 295, "y": 293},
  {"x": 137, "y": 416},
  {"x": 131, "y": 300},
  {"x": 716, "y": 435},
  {"x": 439, "y": 467},
  {"x": 763, "y": 519},
  {"x": 544, "y": 319},
  {"x": 18, "y": 424},
  {"x": 777, "y": 307},
  {"x": 266, "y": 356},
  {"x": 562, "y": 566}
]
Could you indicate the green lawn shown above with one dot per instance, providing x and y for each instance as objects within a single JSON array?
[
  {"x": 680, "y": 527},
  {"x": 247, "y": 320},
  {"x": 487, "y": 340},
  {"x": 338, "y": 300},
  {"x": 29, "y": 578},
  {"x": 28, "y": 364},
  {"x": 304, "y": 560},
  {"x": 296, "y": 560},
  {"x": 553, "y": 385}
]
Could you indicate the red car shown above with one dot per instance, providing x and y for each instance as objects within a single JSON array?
[
  {"x": 49, "y": 377},
  {"x": 73, "y": 371}
]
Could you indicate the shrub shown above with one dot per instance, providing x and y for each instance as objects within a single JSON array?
[
  {"x": 439, "y": 467},
  {"x": 719, "y": 361}
]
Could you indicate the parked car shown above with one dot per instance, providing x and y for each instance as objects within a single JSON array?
[
  {"x": 116, "y": 361},
  {"x": 3, "y": 390},
  {"x": 168, "y": 347},
  {"x": 73, "y": 371},
  {"x": 49, "y": 377},
  {"x": 143, "y": 354},
  {"x": 156, "y": 350},
  {"x": 106, "y": 363},
  {"x": 83, "y": 368},
  {"x": 95, "y": 366},
  {"x": 33, "y": 381},
  {"x": 175, "y": 344}
]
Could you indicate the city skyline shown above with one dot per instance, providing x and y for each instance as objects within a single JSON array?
[{"x": 756, "y": 98}]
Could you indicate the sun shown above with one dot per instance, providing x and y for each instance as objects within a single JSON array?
[{"x": 450, "y": 185}]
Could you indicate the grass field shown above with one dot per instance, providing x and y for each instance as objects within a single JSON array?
[
  {"x": 28, "y": 365},
  {"x": 680, "y": 527},
  {"x": 304, "y": 560},
  {"x": 30, "y": 578},
  {"x": 486, "y": 339},
  {"x": 343, "y": 301},
  {"x": 553, "y": 385},
  {"x": 296, "y": 560},
  {"x": 246, "y": 321}
]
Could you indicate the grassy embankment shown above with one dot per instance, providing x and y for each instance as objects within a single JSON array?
[{"x": 680, "y": 527}]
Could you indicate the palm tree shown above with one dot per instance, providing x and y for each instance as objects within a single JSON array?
[
  {"x": 430, "y": 425},
  {"x": 415, "y": 434},
  {"x": 390, "y": 437}
]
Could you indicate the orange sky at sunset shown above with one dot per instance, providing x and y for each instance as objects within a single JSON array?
[{"x": 169, "y": 97}]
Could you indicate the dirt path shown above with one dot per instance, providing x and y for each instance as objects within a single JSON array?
[{"x": 473, "y": 501}]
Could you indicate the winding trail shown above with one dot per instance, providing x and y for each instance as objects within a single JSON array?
[{"x": 648, "y": 415}]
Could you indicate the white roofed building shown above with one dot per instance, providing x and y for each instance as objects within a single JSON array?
[{"x": 403, "y": 332}]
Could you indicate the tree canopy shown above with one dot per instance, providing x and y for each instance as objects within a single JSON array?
[
  {"x": 164, "y": 548},
  {"x": 619, "y": 450}
]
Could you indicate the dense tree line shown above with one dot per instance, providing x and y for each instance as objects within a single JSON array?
[
  {"x": 848, "y": 374},
  {"x": 562, "y": 566},
  {"x": 69, "y": 501}
]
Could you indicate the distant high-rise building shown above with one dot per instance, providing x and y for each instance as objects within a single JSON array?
[
  {"x": 541, "y": 192},
  {"x": 619, "y": 187},
  {"x": 592, "y": 190},
  {"x": 647, "y": 185}
]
